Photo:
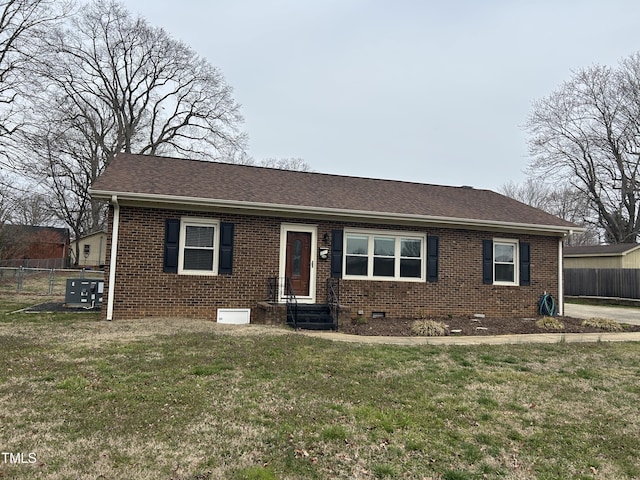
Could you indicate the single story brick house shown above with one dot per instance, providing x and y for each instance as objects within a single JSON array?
[{"x": 191, "y": 238}]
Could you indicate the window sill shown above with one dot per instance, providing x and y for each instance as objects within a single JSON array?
[
  {"x": 384, "y": 279},
  {"x": 197, "y": 273}
]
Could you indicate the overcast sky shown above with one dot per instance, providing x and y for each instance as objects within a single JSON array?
[{"x": 427, "y": 91}]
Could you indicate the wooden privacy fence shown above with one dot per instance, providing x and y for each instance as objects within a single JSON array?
[{"x": 602, "y": 282}]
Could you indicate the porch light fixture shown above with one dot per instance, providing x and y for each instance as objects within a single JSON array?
[{"x": 325, "y": 238}]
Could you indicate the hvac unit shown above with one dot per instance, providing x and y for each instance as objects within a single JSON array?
[{"x": 83, "y": 293}]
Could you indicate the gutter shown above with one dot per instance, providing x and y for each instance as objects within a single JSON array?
[
  {"x": 332, "y": 212},
  {"x": 114, "y": 256}
]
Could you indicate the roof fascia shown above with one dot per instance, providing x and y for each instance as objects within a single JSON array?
[
  {"x": 632, "y": 249},
  {"x": 178, "y": 202},
  {"x": 591, "y": 255},
  {"x": 608, "y": 254}
]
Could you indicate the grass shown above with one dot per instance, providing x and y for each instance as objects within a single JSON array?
[{"x": 187, "y": 400}]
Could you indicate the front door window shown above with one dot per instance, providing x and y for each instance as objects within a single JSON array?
[{"x": 297, "y": 257}]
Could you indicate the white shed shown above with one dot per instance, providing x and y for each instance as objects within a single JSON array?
[{"x": 93, "y": 249}]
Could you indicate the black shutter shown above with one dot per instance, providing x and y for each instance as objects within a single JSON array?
[
  {"x": 432, "y": 259},
  {"x": 487, "y": 261},
  {"x": 171, "y": 240},
  {"x": 336, "y": 253},
  {"x": 225, "y": 263},
  {"x": 525, "y": 264}
]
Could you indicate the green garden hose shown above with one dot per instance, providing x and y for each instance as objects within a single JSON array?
[{"x": 547, "y": 305}]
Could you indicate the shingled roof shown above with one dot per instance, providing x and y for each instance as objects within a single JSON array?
[
  {"x": 618, "y": 249},
  {"x": 141, "y": 178}
]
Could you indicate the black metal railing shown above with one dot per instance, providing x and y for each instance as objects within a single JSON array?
[
  {"x": 333, "y": 299},
  {"x": 273, "y": 290},
  {"x": 292, "y": 303},
  {"x": 279, "y": 289}
]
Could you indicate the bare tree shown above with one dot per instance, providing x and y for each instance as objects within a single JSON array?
[
  {"x": 21, "y": 22},
  {"x": 109, "y": 83},
  {"x": 5, "y": 199},
  {"x": 560, "y": 200},
  {"x": 532, "y": 192},
  {"x": 31, "y": 208},
  {"x": 293, "y": 163},
  {"x": 587, "y": 135},
  {"x": 14, "y": 242}
]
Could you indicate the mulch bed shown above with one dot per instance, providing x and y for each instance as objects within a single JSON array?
[
  {"x": 468, "y": 326},
  {"x": 401, "y": 327}
]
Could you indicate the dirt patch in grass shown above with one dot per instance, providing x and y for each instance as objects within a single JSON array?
[{"x": 468, "y": 326}]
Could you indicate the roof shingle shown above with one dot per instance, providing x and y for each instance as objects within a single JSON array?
[
  {"x": 152, "y": 176},
  {"x": 594, "y": 250}
]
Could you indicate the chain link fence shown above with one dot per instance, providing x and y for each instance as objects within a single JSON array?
[{"x": 41, "y": 281}]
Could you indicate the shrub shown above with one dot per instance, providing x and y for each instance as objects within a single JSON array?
[
  {"x": 607, "y": 324},
  {"x": 549, "y": 323},
  {"x": 428, "y": 328}
]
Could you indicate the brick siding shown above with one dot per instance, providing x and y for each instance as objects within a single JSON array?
[{"x": 143, "y": 289}]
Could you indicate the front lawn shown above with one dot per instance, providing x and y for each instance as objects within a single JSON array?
[{"x": 168, "y": 399}]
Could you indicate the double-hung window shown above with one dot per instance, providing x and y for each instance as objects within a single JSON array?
[
  {"x": 505, "y": 262},
  {"x": 384, "y": 256},
  {"x": 411, "y": 257},
  {"x": 198, "y": 253},
  {"x": 357, "y": 262}
]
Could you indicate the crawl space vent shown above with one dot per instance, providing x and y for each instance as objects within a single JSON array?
[{"x": 235, "y": 316}]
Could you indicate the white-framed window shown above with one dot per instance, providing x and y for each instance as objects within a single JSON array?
[
  {"x": 505, "y": 262},
  {"x": 198, "y": 254},
  {"x": 381, "y": 255}
]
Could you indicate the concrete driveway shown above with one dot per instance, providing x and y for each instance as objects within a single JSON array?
[{"x": 629, "y": 315}]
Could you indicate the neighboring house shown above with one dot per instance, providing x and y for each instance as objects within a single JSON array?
[
  {"x": 610, "y": 271},
  {"x": 34, "y": 246},
  {"x": 186, "y": 238},
  {"x": 92, "y": 250},
  {"x": 621, "y": 255}
]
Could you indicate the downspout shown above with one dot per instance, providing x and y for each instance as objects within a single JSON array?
[
  {"x": 114, "y": 255},
  {"x": 560, "y": 280}
]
